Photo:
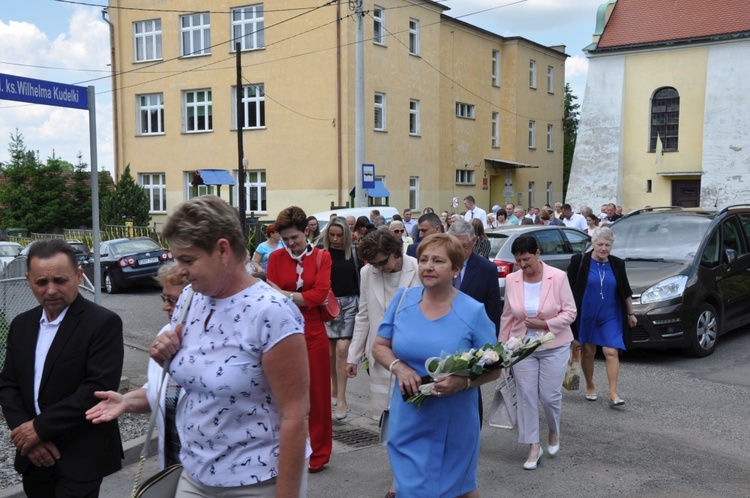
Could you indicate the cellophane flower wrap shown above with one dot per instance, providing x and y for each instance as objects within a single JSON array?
[{"x": 475, "y": 362}]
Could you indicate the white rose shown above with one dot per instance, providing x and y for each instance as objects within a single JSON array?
[
  {"x": 490, "y": 357},
  {"x": 512, "y": 343}
]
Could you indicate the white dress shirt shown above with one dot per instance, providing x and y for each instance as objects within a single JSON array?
[
  {"x": 47, "y": 332},
  {"x": 476, "y": 212},
  {"x": 576, "y": 221}
]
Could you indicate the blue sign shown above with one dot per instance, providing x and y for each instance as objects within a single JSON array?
[
  {"x": 368, "y": 176},
  {"x": 42, "y": 92}
]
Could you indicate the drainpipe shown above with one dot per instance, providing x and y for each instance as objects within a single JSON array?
[
  {"x": 338, "y": 105},
  {"x": 112, "y": 65}
]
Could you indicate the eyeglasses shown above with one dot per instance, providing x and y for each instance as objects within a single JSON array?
[
  {"x": 381, "y": 263},
  {"x": 165, "y": 299},
  {"x": 398, "y": 231}
]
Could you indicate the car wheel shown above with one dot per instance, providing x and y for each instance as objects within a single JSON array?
[
  {"x": 705, "y": 331},
  {"x": 109, "y": 285}
]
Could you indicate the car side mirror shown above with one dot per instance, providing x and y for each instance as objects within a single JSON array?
[{"x": 731, "y": 255}]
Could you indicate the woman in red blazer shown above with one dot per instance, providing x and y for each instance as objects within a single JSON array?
[
  {"x": 304, "y": 276},
  {"x": 538, "y": 299}
]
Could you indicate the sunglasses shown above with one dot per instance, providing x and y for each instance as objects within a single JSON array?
[
  {"x": 381, "y": 263},
  {"x": 165, "y": 299},
  {"x": 398, "y": 231}
]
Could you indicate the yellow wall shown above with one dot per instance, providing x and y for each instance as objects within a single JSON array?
[{"x": 645, "y": 73}]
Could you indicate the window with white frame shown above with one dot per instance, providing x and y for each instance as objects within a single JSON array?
[
  {"x": 255, "y": 191},
  {"x": 378, "y": 201},
  {"x": 495, "y": 68},
  {"x": 496, "y": 129},
  {"x": 248, "y": 27},
  {"x": 198, "y": 111},
  {"x": 464, "y": 177},
  {"x": 550, "y": 132},
  {"x": 378, "y": 25},
  {"x": 196, "y": 34},
  {"x": 531, "y": 194},
  {"x": 156, "y": 190},
  {"x": 379, "y": 111},
  {"x": 549, "y": 193},
  {"x": 532, "y": 134},
  {"x": 253, "y": 105},
  {"x": 550, "y": 79},
  {"x": 147, "y": 40},
  {"x": 532, "y": 74},
  {"x": 413, "y": 193},
  {"x": 464, "y": 110},
  {"x": 413, "y": 36},
  {"x": 150, "y": 114},
  {"x": 197, "y": 190},
  {"x": 413, "y": 117}
]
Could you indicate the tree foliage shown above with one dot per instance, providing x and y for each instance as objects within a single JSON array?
[
  {"x": 128, "y": 202},
  {"x": 570, "y": 134}
]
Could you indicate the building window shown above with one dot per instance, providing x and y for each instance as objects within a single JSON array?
[
  {"x": 532, "y": 74},
  {"x": 248, "y": 27},
  {"x": 464, "y": 110},
  {"x": 496, "y": 129},
  {"x": 413, "y": 193},
  {"x": 147, "y": 40},
  {"x": 156, "y": 190},
  {"x": 253, "y": 105},
  {"x": 495, "y": 68},
  {"x": 665, "y": 119},
  {"x": 549, "y": 193},
  {"x": 198, "y": 190},
  {"x": 413, "y": 37},
  {"x": 378, "y": 25},
  {"x": 464, "y": 177},
  {"x": 532, "y": 135},
  {"x": 196, "y": 34},
  {"x": 531, "y": 194},
  {"x": 255, "y": 191},
  {"x": 413, "y": 117},
  {"x": 198, "y": 111},
  {"x": 550, "y": 79},
  {"x": 378, "y": 201},
  {"x": 379, "y": 111},
  {"x": 151, "y": 114},
  {"x": 549, "y": 137}
]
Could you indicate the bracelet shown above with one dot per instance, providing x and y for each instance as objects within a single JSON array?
[
  {"x": 631, "y": 314},
  {"x": 291, "y": 296},
  {"x": 468, "y": 383},
  {"x": 393, "y": 363}
]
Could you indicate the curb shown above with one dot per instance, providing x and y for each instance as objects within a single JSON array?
[{"x": 131, "y": 449}]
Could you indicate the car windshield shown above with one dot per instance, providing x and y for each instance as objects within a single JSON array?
[
  {"x": 8, "y": 250},
  {"x": 667, "y": 236},
  {"x": 135, "y": 246}
]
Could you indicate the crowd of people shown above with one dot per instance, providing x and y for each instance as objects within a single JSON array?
[{"x": 255, "y": 373}]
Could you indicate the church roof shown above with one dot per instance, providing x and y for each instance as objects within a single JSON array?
[{"x": 646, "y": 22}]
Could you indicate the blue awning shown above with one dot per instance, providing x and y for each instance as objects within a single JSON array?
[
  {"x": 378, "y": 191},
  {"x": 216, "y": 177}
]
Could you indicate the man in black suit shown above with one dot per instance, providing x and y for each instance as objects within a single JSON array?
[
  {"x": 478, "y": 278},
  {"x": 427, "y": 224},
  {"x": 58, "y": 354}
]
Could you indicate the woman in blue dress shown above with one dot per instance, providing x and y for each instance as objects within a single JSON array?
[
  {"x": 605, "y": 307},
  {"x": 434, "y": 450}
]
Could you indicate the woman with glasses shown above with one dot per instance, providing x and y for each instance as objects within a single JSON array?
[{"x": 398, "y": 231}]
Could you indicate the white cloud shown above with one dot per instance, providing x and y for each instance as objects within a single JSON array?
[{"x": 576, "y": 66}]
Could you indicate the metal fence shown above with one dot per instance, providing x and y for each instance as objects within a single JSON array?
[{"x": 16, "y": 297}]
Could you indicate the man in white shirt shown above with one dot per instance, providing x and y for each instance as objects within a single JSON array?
[
  {"x": 408, "y": 222},
  {"x": 473, "y": 211},
  {"x": 571, "y": 219}
]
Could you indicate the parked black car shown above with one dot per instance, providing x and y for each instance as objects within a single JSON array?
[
  {"x": 557, "y": 245},
  {"x": 125, "y": 262},
  {"x": 690, "y": 274}
]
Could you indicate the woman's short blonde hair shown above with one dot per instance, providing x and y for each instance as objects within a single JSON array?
[
  {"x": 605, "y": 233},
  {"x": 201, "y": 222},
  {"x": 167, "y": 274},
  {"x": 395, "y": 224},
  {"x": 451, "y": 245}
]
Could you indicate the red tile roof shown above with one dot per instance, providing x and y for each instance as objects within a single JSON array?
[{"x": 638, "y": 22}]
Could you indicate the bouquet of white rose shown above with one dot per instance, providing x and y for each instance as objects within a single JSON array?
[{"x": 473, "y": 363}]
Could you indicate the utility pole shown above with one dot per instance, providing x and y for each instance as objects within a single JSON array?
[
  {"x": 240, "y": 145},
  {"x": 359, "y": 106}
]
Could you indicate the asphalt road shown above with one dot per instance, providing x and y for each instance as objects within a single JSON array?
[{"x": 682, "y": 432}]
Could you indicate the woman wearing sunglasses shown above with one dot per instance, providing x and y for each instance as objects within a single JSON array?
[{"x": 398, "y": 231}]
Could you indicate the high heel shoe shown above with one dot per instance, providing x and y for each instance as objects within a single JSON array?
[
  {"x": 533, "y": 465},
  {"x": 552, "y": 449}
]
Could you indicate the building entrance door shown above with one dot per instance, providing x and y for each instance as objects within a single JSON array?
[{"x": 686, "y": 193}]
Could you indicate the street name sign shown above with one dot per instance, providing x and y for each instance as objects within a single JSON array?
[{"x": 42, "y": 92}]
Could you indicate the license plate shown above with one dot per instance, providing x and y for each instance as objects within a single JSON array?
[{"x": 148, "y": 261}]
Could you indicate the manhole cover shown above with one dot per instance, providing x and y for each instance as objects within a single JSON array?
[{"x": 357, "y": 438}]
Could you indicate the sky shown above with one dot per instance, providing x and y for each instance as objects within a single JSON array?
[{"x": 69, "y": 43}]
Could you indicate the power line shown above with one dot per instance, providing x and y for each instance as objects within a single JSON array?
[{"x": 174, "y": 11}]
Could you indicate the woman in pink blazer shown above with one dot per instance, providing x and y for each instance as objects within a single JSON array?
[{"x": 538, "y": 299}]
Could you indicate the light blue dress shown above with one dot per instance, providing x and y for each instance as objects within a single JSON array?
[{"x": 434, "y": 450}]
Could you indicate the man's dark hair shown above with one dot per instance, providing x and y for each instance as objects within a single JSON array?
[
  {"x": 566, "y": 207},
  {"x": 49, "y": 248},
  {"x": 524, "y": 244},
  {"x": 470, "y": 198},
  {"x": 431, "y": 218},
  {"x": 379, "y": 242}
]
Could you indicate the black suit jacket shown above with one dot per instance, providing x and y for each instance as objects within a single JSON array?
[
  {"x": 86, "y": 355},
  {"x": 480, "y": 282}
]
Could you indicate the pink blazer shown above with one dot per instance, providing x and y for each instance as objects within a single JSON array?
[{"x": 556, "y": 305}]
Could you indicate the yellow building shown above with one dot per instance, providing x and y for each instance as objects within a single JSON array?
[
  {"x": 450, "y": 109},
  {"x": 664, "y": 120}
]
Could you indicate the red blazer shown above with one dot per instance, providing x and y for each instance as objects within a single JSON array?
[{"x": 556, "y": 305}]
